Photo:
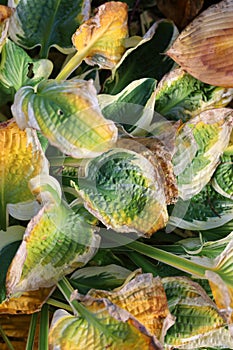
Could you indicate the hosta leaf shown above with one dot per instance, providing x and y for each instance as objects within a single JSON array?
[
  {"x": 206, "y": 210},
  {"x": 222, "y": 179},
  {"x": 145, "y": 299},
  {"x": 130, "y": 107},
  {"x": 67, "y": 113},
  {"x": 47, "y": 23},
  {"x": 123, "y": 190},
  {"x": 56, "y": 242},
  {"x": 181, "y": 96},
  {"x": 21, "y": 158},
  {"x": 18, "y": 69},
  {"x": 113, "y": 328},
  {"x": 211, "y": 132},
  {"x": 201, "y": 48},
  {"x": 198, "y": 322},
  {"x": 147, "y": 54},
  {"x": 100, "y": 40},
  {"x": 5, "y": 13}
]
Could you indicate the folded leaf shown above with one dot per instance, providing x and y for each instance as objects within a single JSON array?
[
  {"x": 47, "y": 24},
  {"x": 123, "y": 190},
  {"x": 204, "y": 48},
  {"x": 100, "y": 40},
  {"x": 145, "y": 299},
  {"x": 67, "y": 113},
  {"x": 222, "y": 179},
  {"x": 56, "y": 242},
  {"x": 210, "y": 134},
  {"x": 109, "y": 328},
  {"x": 21, "y": 158},
  {"x": 181, "y": 96},
  {"x": 5, "y": 13}
]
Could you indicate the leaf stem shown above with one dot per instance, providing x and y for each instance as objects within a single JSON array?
[
  {"x": 73, "y": 63},
  {"x": 44, "y": 328},
  {"x": 32, "y": 331},
  {"x": 6, "y": 339},
  {"x": 59, "y": 304}
]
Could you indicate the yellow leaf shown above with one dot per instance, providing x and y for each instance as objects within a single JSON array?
[
  {"x": 101, "y": 38},
  {"x": 205, "y": 48}
]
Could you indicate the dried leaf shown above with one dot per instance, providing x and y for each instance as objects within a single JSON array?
[
  {"x": 5, "y": 14},
  {"x": 100, "y": 40},
  {"x": 204, "y": 49}
]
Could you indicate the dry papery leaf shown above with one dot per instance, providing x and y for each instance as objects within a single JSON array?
[{"x": 204, "y": 49}]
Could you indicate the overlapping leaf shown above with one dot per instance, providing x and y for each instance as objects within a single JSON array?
[
  {"x": 123, "y": 190},
  {"x": 5, "y": 13},
  {"x": 222, "y": 179},
  {"x": 21, "y": 159},
  {"x": 202, "y": 48},
  {"x": 200, "y": 143},
  {"x": 181, "y": 96},
  {"x": 47, "y": 23},
  {"x": 68, "y": 114}
]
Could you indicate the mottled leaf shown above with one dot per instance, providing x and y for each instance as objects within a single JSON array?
[
  {"x": 109, "y": 328},
  {"x": 21, "y": 158},
  {"x": 145, "y": 60},
  {"x": 145, "y": 299},
  {"x": 100, "y": 40},
  {"x": 123, "y": 190},
  {"x": 47, "y": 23},
  {"x": 56, "y": 242},
  {"x": 67, "y": 113},
  {"x": 181, "y": 96},
  {"x": 222, "y": 179},
  {"x": 18, "y": 69},
  {"x": 204, "y": 48},
  {"x": 210, "y": 133}
]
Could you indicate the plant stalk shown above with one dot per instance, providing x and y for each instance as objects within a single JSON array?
[
  {"x": 73, "y": 63},
  {"x": 6, "y": 339},
  {"x": 44, "y": 328},
  {"x": 32, "y": 332}
]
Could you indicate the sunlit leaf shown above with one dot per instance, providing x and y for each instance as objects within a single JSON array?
[
  {"x": 100, "y": 40},
  {"x": 181, "y": 96},
  {"x": 67, "y": 113},
  {"x": 210, "y": 133},
  {"x": 198, "y": 323},
  {"x": 56, "y": 242},
  {"x": 5, "y": 13},
  {"x": 145, "y": 299},
  {"x": 47, "y": 23},
  {"x": 180, "y": 11},
  {"x": 112, "y": 328},
  {"x": 145, "y": 60},
  {"x": 123, "y": 190},
  {"x": 18, "y": 69},
  {"x": 204, "y": 48},
  {"x": 21, "y": 158},
  {"x": 222, "y": 179},
  {"x": 206, "y": 210}
]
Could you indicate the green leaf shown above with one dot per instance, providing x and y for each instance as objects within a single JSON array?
[
  {"x": 67, "y": 113},
  {"x": 145, "y": 60},
  {"x": 208, "y": 209},
  {"x": 123, "y": 190},
  {"x": 47, "y": 23},
  {"x": 198, "y": 323},
  {"x": 18, "y": 69},
  {"x": 130, "y": 107},
  {"x": 222, "y": 179},
  {"x": 181, "y": 96},
  {"x": 196, "y": 160}
]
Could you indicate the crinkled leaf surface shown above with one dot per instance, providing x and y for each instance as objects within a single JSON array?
[
  {"x": 56, "y": 242},
  {"x": 18, "y": 69},
  {"x": 145, "y": 299},
  {"x": 67, "y": 113},
  {"x": 180, "y": 96},
  {"x": 202, "y": 47},
  {"x": 198, "y": 323},
  {"x": 144, "y": 60},
  {"x": 222, "y": 179},
  {"x": 21, "y": 159},
  {"x": 114, "y": 328},
  {"x": 211, "y": 133},
  {"x": 47, "y": 23},
  {"x": 206, "y": 210},
  {"x": 100, "y": 40},
  {"x": 123, "y": 190}
]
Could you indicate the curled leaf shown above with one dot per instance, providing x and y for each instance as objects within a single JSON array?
[
  {"x": 123, "y": 190},
  {"x": 67, "y": 113},
  {"x": 222, "y": 179},
  {"x": 100, "y": 40},
  {"x": 5, "y": 14},
  {"x": 204, "y": 48}
]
